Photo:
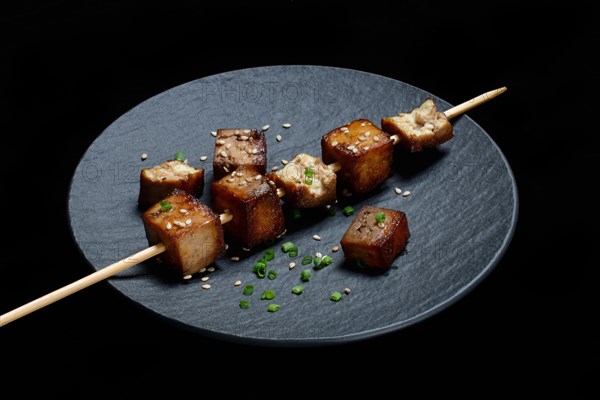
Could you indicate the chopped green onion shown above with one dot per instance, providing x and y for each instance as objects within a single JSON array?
[
  {"x": 307, "y": 260},
  {"x": 260, "y": 269},
  {"x": 244, "y": 304},
  {"x": 293, "y": 252},
  {"x": 286, "y": 247},
  {"x": 318, "y": 263},
  {"x": 179, "y": 156},
  {"x": 309, "y": 172},
  {"x": 165, "y": 206},
  {"x": 298, "y": 289},
  {"x": 360, "y": 264},
  {"x": 269, "y": 255},
  {"x": 379, "y": 217},
  {"x": 305, "y": 275},
  {"x": 296, "y": 214},
  {"x": 248, "y": 290},
  {"x": 332, "y": 211},
  {"x": 273, "y": 307},
  {"x": 267, "y": 295},
  {"x": 336, "y": 296},
  {"x": 348, "y": 211},
  {"x": 327, "y": 260},
  {"x": 272, "y": 274}
]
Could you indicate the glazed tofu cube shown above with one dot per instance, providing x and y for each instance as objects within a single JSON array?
[
  {"x": 190, "y": 230},
  {"x": 375, "y": 244},
  {"x": 253, "y": 201},
  {"x": 239, "y": 147},
  {"x": 363, "y": 151},
  {"x": 158, "y": 182},
  {"x": 423, "y": 127},
  {"x": 318, "y": 188}
]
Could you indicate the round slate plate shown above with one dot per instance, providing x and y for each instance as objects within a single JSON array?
[{"x": 462, "y": 209}]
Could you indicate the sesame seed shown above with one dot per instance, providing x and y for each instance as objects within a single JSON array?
[
  {"x": 286, "y": 125},
  {"x": 265, "y": 128},
  {"x": 243, "y": 138},
  {"x": 242, "y": 183},
  {"x": 344, "y": 129},
  {"x": 226, "y": 169},
  {"x": 230, "y": 179},
  {"x": 335, "y": 249},
  {"x": 271, "y": 183},
  {"x": 367, "y": 133},
  {"x": 206, "y": 286},
  {"x": 362, "y": 124},
  {"x": 362, "y": 138},
  {"x": 278, "y": 138},
  {"x": 237, "y": 132},
  {"x": 284, "y": 162},
  {"x": 179, "y": 223},
  {"x": 223, "y": 153},
  {"x": 202, "y": 270},
  {"x": 210, "y": 269},
  {"x": 144, "y": 156},
  {"x": 213, "y": 133},
  {"x": 235, "y": 258},
  {"x": 169, "y": 226},
  {"x": 188, "y": 221},
  {"x": 203, "y": 158},
  {"x": 228, "y": 146},
  {"x": 366, "y": 148},
  {"x": 398, "y": 190},
  {"x": 275, "y": 168},
  {"x": 376, "y": 138},
  {"x": 185, "y": 161},
  {"x": 246, "y": 131},
  {"x": 406, "y": 193},
  {"x": 381, "y": 225},
  {"x": 204, "y": 278},
  {"x": 220, "y": 142},
  {"x": 183, "y": 211},
  {"x": 226, "y": 246},
  {"x": 334, "y": 143},
  {"x": 317, "y": 254},
  {"x": 187, "y": 277},
  {"x": 245, "y": 249},
  {"x": 237, "y": 283},
  {"x": 292, "y": 265},
  {"x": 355, "y": 150},
  {"x": 254, "y": 151},
  {"x": 257, "y": 178},
  {"x": 347, "y": 290},
  {"x": 316, "y": 237}
]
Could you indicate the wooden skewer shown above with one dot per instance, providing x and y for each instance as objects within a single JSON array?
[
  {"x": 157, "y": 249},
  {"x": 89, "y": 280}
]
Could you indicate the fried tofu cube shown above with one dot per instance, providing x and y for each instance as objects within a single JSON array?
[
  {"x": 423, "y": 127},
  {"x": 253, "y": 201},
  {"x": 364, "y": 153},
  {"x": 239, "y": 147},
  {"x": 158, "y": 182},
  {"x": 307, "y": 182},
  {"x": 375, "y": 244},
  {"x": 190, "y": 230}
]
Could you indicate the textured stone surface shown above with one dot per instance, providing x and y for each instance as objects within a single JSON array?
[{"x": 462, "y": 209}]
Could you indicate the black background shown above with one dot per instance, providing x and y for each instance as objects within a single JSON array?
[{"x": 69, "y": 69}]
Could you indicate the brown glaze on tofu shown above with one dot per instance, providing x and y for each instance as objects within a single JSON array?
[
  {"x": 239, "y": 147},
  {"x": 363, "y": 151},
  {"x": 302, "y": 191},
  {"x": 253, "y": 201},
  {"x": 191, "y": 232},
  {"x": 158, "y": 182},
  {"x": 423, "y": 127},
  {"x": 373, "y": 244}
]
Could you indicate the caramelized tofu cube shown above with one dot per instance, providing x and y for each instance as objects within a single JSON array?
[
  {"x": 307, "y": 182},
  {"x": 190, "y": 230},
  {"x": 158, "y": 182},
  {"x": 363, "y": 151},
  {"x": 376, "y": 244},
  {"x": 423, "y": 127},
  {"x": 239, "y": 147},
  {"x": 253, "y": 201}
]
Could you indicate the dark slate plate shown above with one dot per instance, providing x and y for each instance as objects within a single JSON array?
[{"x": 462, "y": 210}]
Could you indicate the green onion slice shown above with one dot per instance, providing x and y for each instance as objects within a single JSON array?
[
  {"x": 298, "y": 289},
  {"x": 348, "y": 211},
  {"x": 380, "y": 217},
  {"x": 179, "y": 156},
  {"x": 273, "y": 307},
  {"x": 336, "y": 296},
  {"x": 248, "y": 290},
  {"x": 269, "y": 255},
  {"x": 305, "y": 275},
  {"x": 165, "y": 206},
  {"x": 267, "y": 295},
  {"x": 272, "y": 274},
  {"x": 244, "y": 304}
]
